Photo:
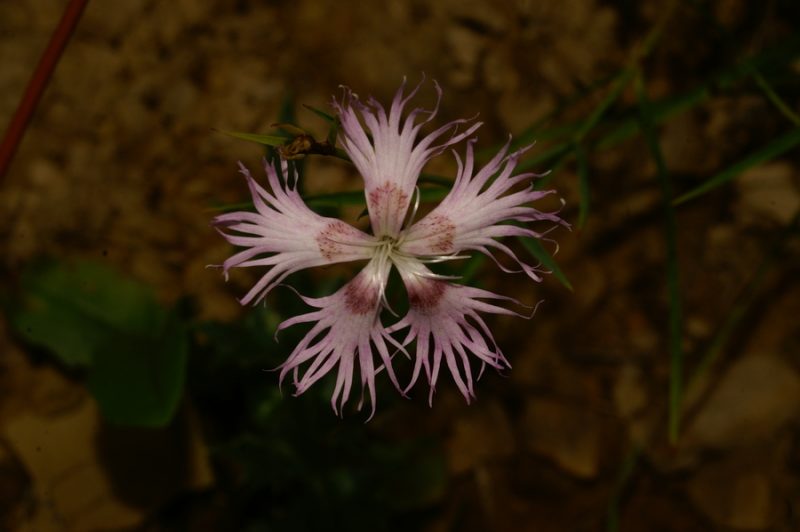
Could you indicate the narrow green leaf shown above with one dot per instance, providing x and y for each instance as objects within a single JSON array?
[
  {"x": 660, "y": 112},
  {"x": 471, "y": 268},
  {"x": 336, "y": 199},
  {"x": 768, "y": 60},
  {"x": 322, "y": 114},
  {"x": 624, "y": 476},
  {"x": 287, "y": 113},
  {"x": 673, "y": 276},
  {"x": 616, "y": 89},
  {"x": 538, "y": 160},
  {"x": 264, "y": 140},
  {"x": 776, "y": 100},
  {"x": 231, "y": 207},
  {"x": 744, "y": 302},
  {"x": 428, "y": 195},
  {"x": 431, "y": 179},
  {"x": 535, "y": 248},
  {"x": 775, "y": 148},
  {"x": 534, "y": 132}
]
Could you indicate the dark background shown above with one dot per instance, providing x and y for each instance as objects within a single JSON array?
[{"x": 120, "y": 166}]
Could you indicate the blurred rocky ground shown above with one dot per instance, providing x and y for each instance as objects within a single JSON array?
[{"x": 121, "y": 164}]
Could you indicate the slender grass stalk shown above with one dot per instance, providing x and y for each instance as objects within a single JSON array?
[
  {"x": 776, "y": 100},
  {"x": 742, "y": 304},
  {"x": 773, "y": 149},
  {"x": 624, "y": 477},
  {"x": 673, "y": 277}
]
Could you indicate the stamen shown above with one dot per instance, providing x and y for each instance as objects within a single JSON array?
[{"x": 413, "y": 215}]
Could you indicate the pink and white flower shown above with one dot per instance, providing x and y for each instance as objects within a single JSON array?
[{"x": 444, "y": 319}]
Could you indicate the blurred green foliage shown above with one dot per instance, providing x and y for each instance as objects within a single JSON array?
[
  {"x": 297, "y": 466},
  {"x": 92, "y": 318}
]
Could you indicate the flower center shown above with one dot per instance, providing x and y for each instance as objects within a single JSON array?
[{"x": 387, "y": 248}]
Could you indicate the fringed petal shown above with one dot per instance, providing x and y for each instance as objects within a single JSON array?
[
  {"x": 284, "y": 235},
  {"x": 346, "y": 331},
  {"x": 443, "y": 319},
  {"x": 479, "y": 209},
  {"x": 387, "y": 152}
]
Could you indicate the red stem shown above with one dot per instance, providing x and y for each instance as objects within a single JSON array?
[{"x": 38, "y": 82}]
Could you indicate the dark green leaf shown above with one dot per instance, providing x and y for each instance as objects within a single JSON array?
[
  {"x": 138, "y": 380},
  {"x": 71, "y": 309},
  {"x": 89, "y": 315},
  {"x": 675, "y": 321}
]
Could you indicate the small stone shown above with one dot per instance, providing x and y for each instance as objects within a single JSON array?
[
  {"x": 111, "y": 20},
  {"x": 465, "y": 48},
  {"x": 566, "y": 434},
  {"x": 499, "y": 73},
  {"x": 589, "y": 280},
  {"x": 630, "y": 394},
  {"x": 757, "y": 396},
  {"x": 768, "y": 193},
  {"x": 682, "y": 151},
  {"x": 482, "y": 16},
  {"x": 483, "y": 435},
  {"x": 69, "y": 485},
  {"x": 734, "y": 494},
  {"x": 518, "y": 110}
]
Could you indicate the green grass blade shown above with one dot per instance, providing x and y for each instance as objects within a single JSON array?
[
  {"x": 437, "y": 180},
  {"x": 264, "y": 140},
  {"x": 770, "y": 60},
  {"x": 776, "y": 100},
  {"x": 616, "y": 89},
  {"x": 553, "y": 153},
  {"x": 471, "y": 268},
  {"x": 336, "y": 199},
  {"x": 535, "y": 248},
  {"x": 775, "y": 148},
  {"x": 624, "y": 476},
  {"x": 322, "y": 114},
  {"x": 534, "y": 132},
  {"x": 673, "y": 276},
  {"x": 660, "y": 112},
  {"x": 743, "y": 303}
]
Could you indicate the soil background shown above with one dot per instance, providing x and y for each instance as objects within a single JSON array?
[{"x": 121, "y": 164}]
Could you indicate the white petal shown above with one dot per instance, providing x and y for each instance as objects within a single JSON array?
[
  {"x": 478, "y": 210},
  {"x": 346, "y": 331},
  {"x": 391, "y": 161},
  {"x": 285, "y": 236},
  {"x": 443, "y": 319}
]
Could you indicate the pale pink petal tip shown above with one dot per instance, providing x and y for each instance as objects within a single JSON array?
[
  {"x": 346, "y": 332},
  {"x": 389, "y": 151},
  {"x": 444, "y": 321},
  {"x": 283, "y": 235},
  {"x": 483, "y": 206}
]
